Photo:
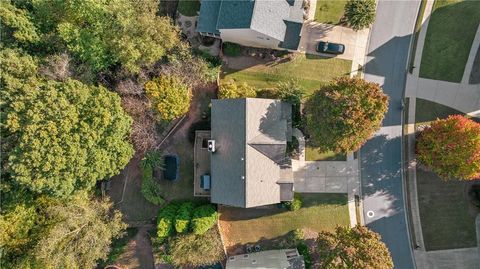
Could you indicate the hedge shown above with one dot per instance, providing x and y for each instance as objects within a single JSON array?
[
  {"x": 184, "y": 217},
  {"x": 204, "y": 218},
  {"x": 166, "y": 219},
  {"x": 150, "y": 189}
]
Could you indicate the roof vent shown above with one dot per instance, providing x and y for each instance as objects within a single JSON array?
[{"x": 211, "y": 145}]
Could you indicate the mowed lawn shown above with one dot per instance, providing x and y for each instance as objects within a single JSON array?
[
  {"x": 447, "y": 216},
  {"x": 450, "y": 34},
  {"x": 320, "y": 212},
  {"x": 329, "y": 11},
  {"x": 310, "y": 71}
]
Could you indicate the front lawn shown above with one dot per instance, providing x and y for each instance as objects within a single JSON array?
[
  {"x": 310, "y": 71},
  {"x": 313, "y": 154},
  {"x": 320, "y": 212},
  {"x": 450, "y": 34},
  {"x": 447, "y": 216},
  {"x": 188, "y": 7},
  {"x": 329, "y": 11}
]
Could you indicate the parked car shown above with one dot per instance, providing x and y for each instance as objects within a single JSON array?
[
  {"x": 330, "y": 48},
  {"x": 172, "y": 164}
]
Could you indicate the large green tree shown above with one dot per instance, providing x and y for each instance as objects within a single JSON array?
[
  {"x": 59, "y": 233},
  {"x": 59, "y": 136},
  {"x": 451, "y": 147},
  {"x": 17, "y": 26},
  {"x": 353, "y": 248},
  {"x": 342, "y": 115},
  {"x": 104, "y": 33}
]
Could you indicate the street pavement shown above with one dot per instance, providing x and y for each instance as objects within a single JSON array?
[{"x": 381, "y": 176}]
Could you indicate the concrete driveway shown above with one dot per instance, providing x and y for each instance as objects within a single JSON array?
[{"x": 313, "y": 32}]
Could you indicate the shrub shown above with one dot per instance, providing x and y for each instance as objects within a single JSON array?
[
  {"x": 197, "y": 250},
  {"x": 341, "y": 116},
  {"x": 169, "y": 96},
  {"x": 298, "y": 235},
  {"x": 150, "y": 189},
  {"x": 360, "y": 14},
  {"x": 296, "y": 204},
  {"x": 184, "y": 217},
  {"x": 165, "y": 221},
  {"x": 451, "y": 148},
  {"x": 303, "y": 250},
  {"x": 204, "y": 217},
  {"x": 230, "y": 89},
  {"x": 292, "y": 93},
  {"x": 231, "y": 49}
]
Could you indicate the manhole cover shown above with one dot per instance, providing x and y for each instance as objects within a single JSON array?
[{"x": 370, "y": 214}]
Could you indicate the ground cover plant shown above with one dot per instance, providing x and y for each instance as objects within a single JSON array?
[{"x": 360, "y": 14}]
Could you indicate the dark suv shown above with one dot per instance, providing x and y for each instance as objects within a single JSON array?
[{"x": 330, "y": 48}]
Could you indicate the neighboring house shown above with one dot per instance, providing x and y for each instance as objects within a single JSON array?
[
  {"x": 273, "y": 259},
  {"x": 249, "y": 166},
  {"x": 274, "y": 24}
]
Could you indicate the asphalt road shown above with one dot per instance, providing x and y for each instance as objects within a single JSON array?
[{"x": 381, "y": 177}]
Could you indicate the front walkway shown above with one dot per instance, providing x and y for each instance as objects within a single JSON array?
[{"x": 327, "y": 177}]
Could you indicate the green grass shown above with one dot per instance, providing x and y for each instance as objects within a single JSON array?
[
  {"x": 418, "y": 27},
  {"x": 448, "y": 219},
  {"x": 310, "y": 71},
  {"x": 450, "y": 34},
  {"x": 188, "y": 7},
  {"x": 313, "y": 154},
  {"x": 330, "y": 11},
  {"x": 319, "y": 212}
]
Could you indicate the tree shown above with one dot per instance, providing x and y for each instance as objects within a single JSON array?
[
  {"x": 451, "y": 147},
  {"x": 104, "y": 33},
  {"x": 353, "y": 248},
  {"x": 17, "y": 26},
  {"x": 204, "y": 218},
  {"x": 60, "y": 137},
  {"x": 360, "y": 14},
  {"x": 197, "y": 250},
  {"x": 79, "y": 233},
  {"x": 230, "y": 89},
  {"x": 292, "y": 93},
  {"x": 169, "y": 96},
  {"x": 341, "y": 116}
]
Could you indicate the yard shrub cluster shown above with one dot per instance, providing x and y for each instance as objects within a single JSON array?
[
  {"x": 295, "y": 204},
  {"x": 192, "y": 238},
  {"x": 342, "y": 115},
  {"x": 169, "y": 96},
  {"x": 231, "y": 49},
  {"x": 150, "y": 189},
  {"x": 451, "y": 148},
  {"x": 230, "y": 89},
  {"x": 360, "y": 14}
]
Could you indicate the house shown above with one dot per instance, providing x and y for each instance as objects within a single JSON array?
[
  {"x": 274, "y": 259},
  {"x": 248, "y": 162},
  {"x": 270, "y": 24}
]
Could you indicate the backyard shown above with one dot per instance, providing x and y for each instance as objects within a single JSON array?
[
  {"x": 450, "y": 34},
  {"x": 330, "y": 12},
  {"x": 310, "y": 71},
  {"x": 268, "y": 225},
  {"x": 447, "y": 216}
]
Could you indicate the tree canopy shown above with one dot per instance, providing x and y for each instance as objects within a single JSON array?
[
  {"x": 17, "y": 26},
  {"x": 353, "y": 248},
  {"x": 230, "y": 89},
  {"x": 360, "y": 14},
  {"x": 169, "y": 96},
  {"x": 342, "y": 115},
  {"x": 60, "y": 136},
  {"x": 105, "y": 33},
  {"x": 451, "y": 147}
]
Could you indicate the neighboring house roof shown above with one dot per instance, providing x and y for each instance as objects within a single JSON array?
[
  {"x": 268, "y": 17},
  {"x": 274, "y": 259},
  {"x": 250, "y": 136}
]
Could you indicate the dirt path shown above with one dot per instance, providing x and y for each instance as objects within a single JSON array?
[{"x": 138, "y": 253}]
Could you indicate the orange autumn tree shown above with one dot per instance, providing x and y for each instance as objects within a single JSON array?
[{"x": 451, "y": 148}]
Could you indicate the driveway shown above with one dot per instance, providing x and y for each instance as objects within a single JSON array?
[{"x": 313, "y": 32}]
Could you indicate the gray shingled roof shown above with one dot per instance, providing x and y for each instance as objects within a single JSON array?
[
  {"x": 268, "y": 17},
  {"x": 250, "y": 136},
  {"x": 207, "y": 20},
  {"x": 235, "y": 14}
]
